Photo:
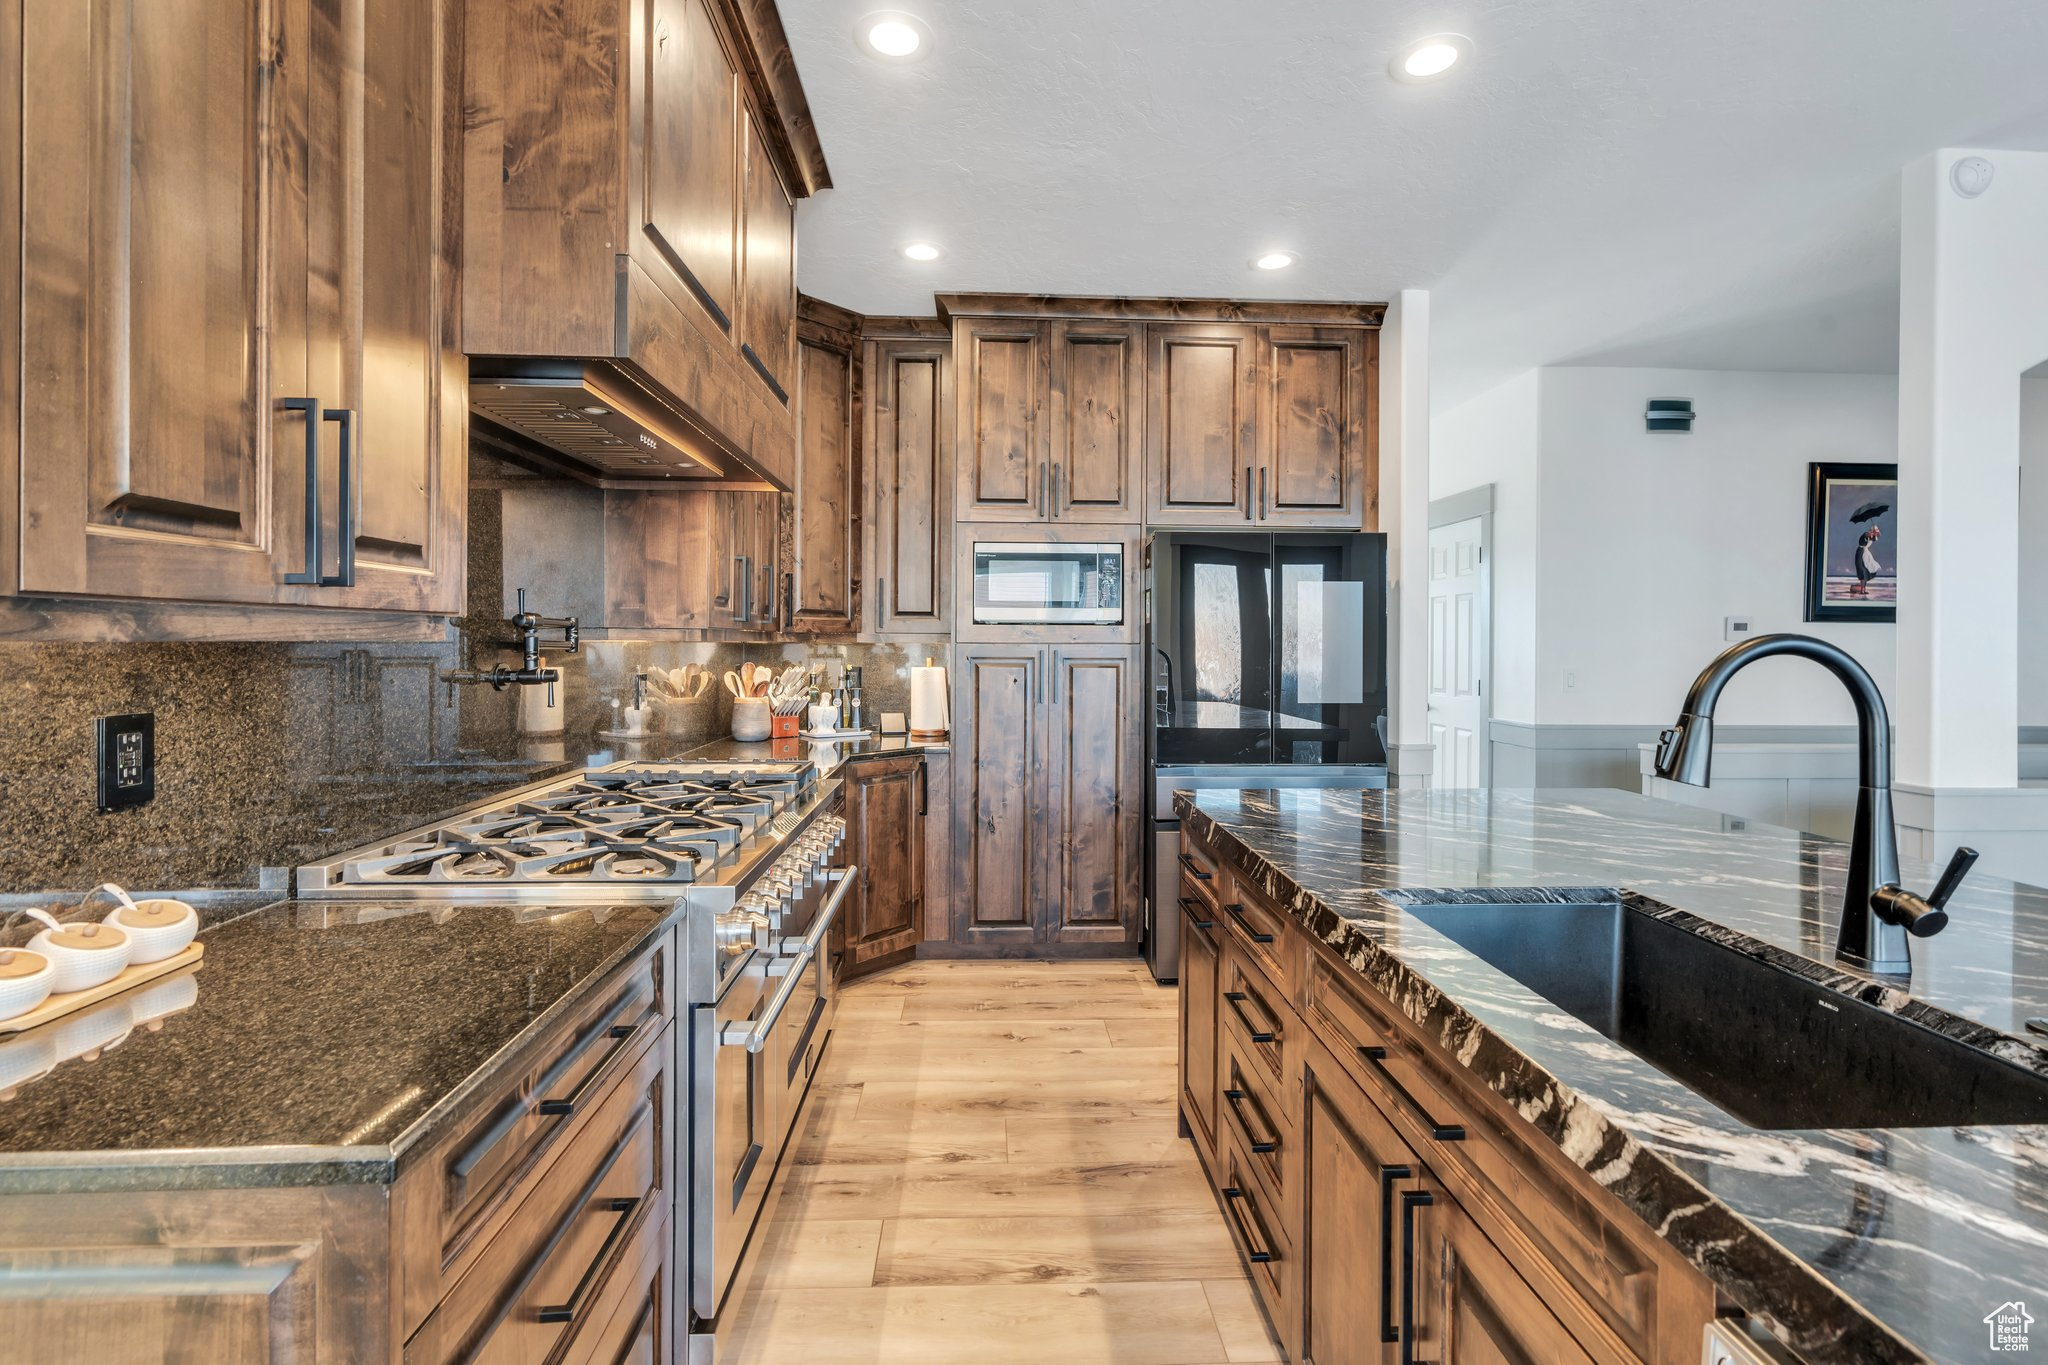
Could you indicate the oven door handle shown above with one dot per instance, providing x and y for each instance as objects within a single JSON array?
[
  {"x": 754, "y": 1037},
  {"x": 814, "y": 939}
]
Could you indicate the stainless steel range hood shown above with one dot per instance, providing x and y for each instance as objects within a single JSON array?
[{"x": 593, "y": 422}]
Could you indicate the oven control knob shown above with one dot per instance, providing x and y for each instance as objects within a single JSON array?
[{"x": 738, "y": 932}]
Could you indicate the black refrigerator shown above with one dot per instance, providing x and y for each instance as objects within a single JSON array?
[{"x": 1268, "y": 666}]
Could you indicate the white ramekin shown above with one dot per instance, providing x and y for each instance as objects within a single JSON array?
[
  {"x": 20, "y": 994},
  {"x": 153, "y": 942}
]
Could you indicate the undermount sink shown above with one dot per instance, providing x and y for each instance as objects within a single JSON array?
[{"x": 1768, "y": 1047}]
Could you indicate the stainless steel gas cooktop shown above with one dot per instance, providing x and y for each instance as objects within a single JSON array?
[{"x": 648, "y": 828}]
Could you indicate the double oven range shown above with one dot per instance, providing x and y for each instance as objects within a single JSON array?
[{"x": 751, "y": 853}]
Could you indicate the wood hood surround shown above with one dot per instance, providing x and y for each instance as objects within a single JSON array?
[{"x": 630, "y": 172}]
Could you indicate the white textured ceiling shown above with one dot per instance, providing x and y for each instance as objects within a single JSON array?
[{"x": 1706, "y": 183}]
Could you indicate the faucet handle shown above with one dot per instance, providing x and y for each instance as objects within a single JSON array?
[{"x": 1924, "y": 916}]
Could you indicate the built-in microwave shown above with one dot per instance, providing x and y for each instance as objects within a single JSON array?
[{"x": 1032, "y": 582}]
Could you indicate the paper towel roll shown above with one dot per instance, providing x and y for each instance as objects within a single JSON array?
[{"x": 929, "y": 717}]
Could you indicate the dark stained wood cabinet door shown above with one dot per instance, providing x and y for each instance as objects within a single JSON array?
[
  {"x": 885, "y": 809},
  {"x": 164, "y": 269},
  {"x": 1470, "y": 1304},
  {"x": 768, "y": 267},
  {"x": 824, "y": 510},
  {"x": 383, "y": 333},
  {"x": 998, "y": 795},
  {"x": 1097, "y": 410},
  {"x": 1093, "y": 767},
  {"x": 689, "y": 157},
  {"x": 1201, "y": 996},
  {"x": 1353, "y": 1171},
  {"x": 1000, "y": 404},
  {"x": 1313, "y": 431},
  {"x": 908, "y": 466},
  {"x": 1201, "y": 419}
]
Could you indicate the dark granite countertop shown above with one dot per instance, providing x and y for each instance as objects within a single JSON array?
[
  {"x": 315, "y": 1043},
  {"x": 1851, "y": 1245}
]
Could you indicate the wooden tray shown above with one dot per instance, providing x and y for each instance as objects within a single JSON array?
[{"x": 57, "y": 1006}]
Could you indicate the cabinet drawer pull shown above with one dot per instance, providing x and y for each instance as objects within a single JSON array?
[
  {"x": 1055, "y": 490},
  {"x": 1388, "y": 1175},
  {"x": 1262, "y": 492},
  {"x": 1247, "y": 492},
  {"x": 1442, "y": 1132},
  {"x": 1236, "y": 999},
  {"x": 1192, "y": 907},
  {"x": 1195, "y": 869},
  {"x": 1239, "y": 1101},
  {"x": 742, "y": 587},
  {"x": 579, "y": 1297},
  {"x": 619, "y": 1033},
  {"x": 1411, "y": 1200},
  {"x": 1259, "y": 1252},
  {"x": 1236, "y": 912},
  {"x": 311, "y": 407},
  {"x": 345, "y": 515}
]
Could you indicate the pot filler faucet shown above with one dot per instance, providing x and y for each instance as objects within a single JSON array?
[
  {"x": 529, "y": 673},
  {"x": 1878, "y": 915}
]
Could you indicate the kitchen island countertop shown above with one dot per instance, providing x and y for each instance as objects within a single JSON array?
[{"x": 1851, "y": 1245}]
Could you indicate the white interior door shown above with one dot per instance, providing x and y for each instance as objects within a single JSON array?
[{"x": 1457, "y": 653}]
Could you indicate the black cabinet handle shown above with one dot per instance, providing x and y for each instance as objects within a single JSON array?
[
  {"x": 1236, "y": 999},
  {"x": 579, "y": 1298},
  {"x": 924, "y": 787},
  {"x": 881, "y": 601},
  {"x": 1411, "y": 1200},
  {"x": 1262, "y": 492},
  {"x": 1055, "y": 490},
  {"x": 1194, "y": 868},
  {"x": 741, "y": 586},
  {"x": 1044, "y": 500},
  {"x": 311, "y": 407},
  {"x": 1239, "y": 1101},
  {"x": 345, "y": 519},
  {"x": 1189, "y": 905},
  {"x": 1247, "y": 492},
  {"x": 1388, "y": 1175},
  {"x": 1442, "y": 1132},
  {"x": 1259, "y": 1252},
  {"x": 1236, "y": 912}
]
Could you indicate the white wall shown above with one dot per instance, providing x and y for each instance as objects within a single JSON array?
[
  {"x": 2034, "y": 551},
  {"x": 1649, "y": 540},
  {"x": 1491, "y": 439}
]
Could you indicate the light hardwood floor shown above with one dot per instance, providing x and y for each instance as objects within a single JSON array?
[{"x": 989, "y": 1172}]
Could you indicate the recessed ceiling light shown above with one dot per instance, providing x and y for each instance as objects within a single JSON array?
[
  {"x": 893, "y": 36},
  {"x": 1274, "y": 260},
  {"x": 1429, "y": 58},
  {"x": 922, "y": 251}
]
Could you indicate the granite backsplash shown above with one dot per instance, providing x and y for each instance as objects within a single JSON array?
[{"x": 271, "y": 755}]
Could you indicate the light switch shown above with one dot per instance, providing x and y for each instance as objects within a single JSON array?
[{"x": 1737, "y": 627}]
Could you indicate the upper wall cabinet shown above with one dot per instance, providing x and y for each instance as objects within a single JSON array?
[
  {"x": 1048, "y": 420},
  {"x": 824, "y": 566},
  {"x": 630, "y": 173},
  {"x": 237, "y": 345},
  {"x": 908, "y": 459},
  {"x": 1260, "y": 425}
]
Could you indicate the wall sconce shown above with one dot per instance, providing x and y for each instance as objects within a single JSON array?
[{"x": 1669, "y": 414}]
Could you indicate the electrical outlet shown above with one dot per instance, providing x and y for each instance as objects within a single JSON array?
[
  {"x": 1737, "y": 627},
  {"x": 1571, "y": 680},
  {"x": 127, "y": 760}
]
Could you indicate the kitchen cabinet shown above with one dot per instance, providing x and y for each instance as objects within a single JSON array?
[
  {"x": 1388, "y": 1205},
  {"x": 1201, "y": 990},
  {"x": 260, "y": 400},
  {"x": 696, "y": 561},
  {"x": 824, "y": 593},
  {"x": 1046, "y": 837},
  {"x": 1261, "y": 425},
  {"x": 908, "y": 467},
  {"x": 650, "y": 153},
  {"x": 1048, "y": 418},
  {"x": 886, "y": 804}
]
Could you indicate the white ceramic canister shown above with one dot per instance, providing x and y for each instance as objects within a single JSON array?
[
  {"x": 81, "y": 955},
  {"x": 26, "y": 980},
  {"x": 158, "y": 928},
  {"x": 751, "y": 718}
]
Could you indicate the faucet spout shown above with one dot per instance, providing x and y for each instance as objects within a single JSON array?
[{"x": 1879, "y": 917}]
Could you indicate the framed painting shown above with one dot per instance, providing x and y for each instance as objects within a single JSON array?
[{"x": 1852, "y": 542}]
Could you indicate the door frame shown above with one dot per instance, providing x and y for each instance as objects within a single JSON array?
[{"x": 1477, "y": 504}]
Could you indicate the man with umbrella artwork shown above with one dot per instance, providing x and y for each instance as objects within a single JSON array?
[{"x": 1851, "y": 559}]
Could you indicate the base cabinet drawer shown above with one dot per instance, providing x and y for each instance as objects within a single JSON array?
[
  {"x": 635, "y": 1320},
  {"x": 1258, "y": 1227},
  {"x": 1257, "y": 1017},
  {"x": 1255, "y": 1118},
  {"x": 541, "y": 1280},
  {"x": 1201, "y": 1035},
  {"x": 1468, "y": 1302}
]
